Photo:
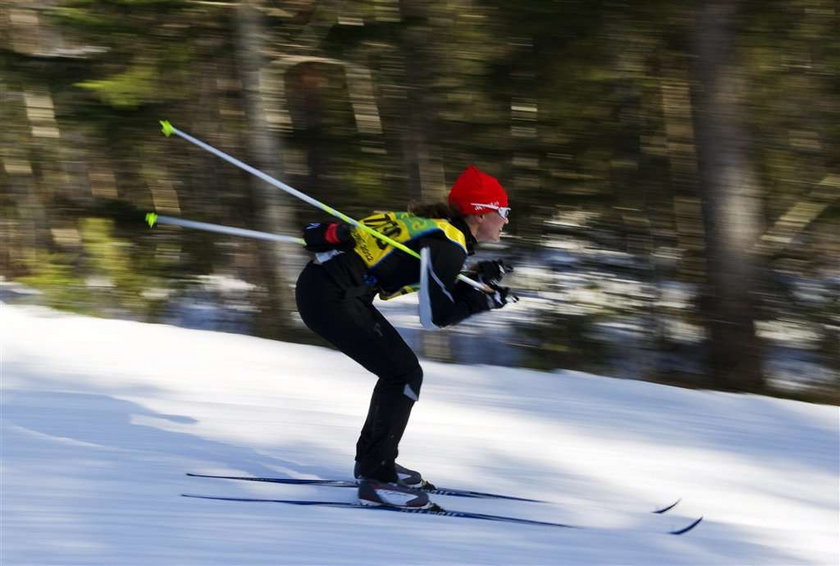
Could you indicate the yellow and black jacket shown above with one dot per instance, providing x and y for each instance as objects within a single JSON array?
[{"x": 371, "y": 266}]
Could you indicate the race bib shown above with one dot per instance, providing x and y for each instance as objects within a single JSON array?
[{"x": 402, "y": 227}]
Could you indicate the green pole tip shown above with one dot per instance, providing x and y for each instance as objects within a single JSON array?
[
  {"x": 166, "y": 128},
  {"x": 151, "y": 218}
]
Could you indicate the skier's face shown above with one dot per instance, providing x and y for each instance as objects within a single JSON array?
[{"x": 488, "y": 227}]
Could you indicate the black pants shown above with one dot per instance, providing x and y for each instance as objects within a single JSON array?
[{"x": 331, "y": 306}]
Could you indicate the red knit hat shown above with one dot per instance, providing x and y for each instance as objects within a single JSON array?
[{"x": 474, "y": 188}]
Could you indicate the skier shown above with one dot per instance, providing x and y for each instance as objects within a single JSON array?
[{"x": 335, "y": 295}]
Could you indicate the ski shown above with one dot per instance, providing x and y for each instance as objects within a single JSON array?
[
  {"x": 352, "y": 483},
  {"x": 434, "y": 510},
  {"x": 667, "y": 508},
  {"x": 349, "y": 483}
]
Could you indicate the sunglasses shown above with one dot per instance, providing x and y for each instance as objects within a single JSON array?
[{"x": 504, "y": 211}]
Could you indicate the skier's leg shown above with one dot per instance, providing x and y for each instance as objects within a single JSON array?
[
  {"x": 359, "y": 330},
  {"x": 377, "y": 448}
]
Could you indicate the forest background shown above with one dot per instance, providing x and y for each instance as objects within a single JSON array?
[{"x": 673, "y": 167}]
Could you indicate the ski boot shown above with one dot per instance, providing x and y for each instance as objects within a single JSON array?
[
  {"x": 374, "y": 492},
  {"x": 406, "y": 477},
  {"x": 411, "y": 478}
]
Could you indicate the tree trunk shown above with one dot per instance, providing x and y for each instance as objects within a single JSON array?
[
  {"x": 423, "y": 168},
  {"x": 274, "y": 212},
  {"x": 731, "y": 202}
]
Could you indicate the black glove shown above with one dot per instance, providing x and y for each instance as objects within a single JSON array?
[
  {"x": 326, "y": 236},
  {"x": 492, "y": 271},
  {"x": 500, "y": 296}
]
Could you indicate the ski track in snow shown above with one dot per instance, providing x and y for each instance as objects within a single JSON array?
[{"x": 102, "y": 418}]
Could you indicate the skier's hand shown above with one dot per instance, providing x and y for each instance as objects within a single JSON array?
[
  {"x": 492, "y": 271},
  {"x": 326, "y": 236},
  {"x": 500, "y": 296}
]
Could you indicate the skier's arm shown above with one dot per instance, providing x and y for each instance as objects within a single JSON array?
[
  {"x": 450, "y": 300},
  {"x": 326, "y": 236}
]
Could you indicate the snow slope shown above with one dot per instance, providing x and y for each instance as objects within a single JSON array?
[{"x": 102, "y": 418}]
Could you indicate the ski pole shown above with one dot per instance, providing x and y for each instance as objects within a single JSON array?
[
  {"x": 168, "y": 129},
  {"x": 153, "y": 218}
]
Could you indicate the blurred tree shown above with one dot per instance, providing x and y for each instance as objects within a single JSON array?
[
  {"x": 420, "y": 132},
  {"x": 274, "y": 212},
  {"x": 731, "y": 201},
  {"x": 589, "y": 111}
]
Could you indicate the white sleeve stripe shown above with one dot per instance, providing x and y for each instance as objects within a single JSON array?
[
  {"x": 425, "y": 297},
  {"x": 425, "y": 301},
  {"x": 440, "y": 284}
]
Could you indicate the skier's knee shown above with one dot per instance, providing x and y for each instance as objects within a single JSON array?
[{"x": 413, "y": 381}]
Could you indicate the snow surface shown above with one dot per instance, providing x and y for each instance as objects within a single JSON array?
[{"x": 102, "y": 418}]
